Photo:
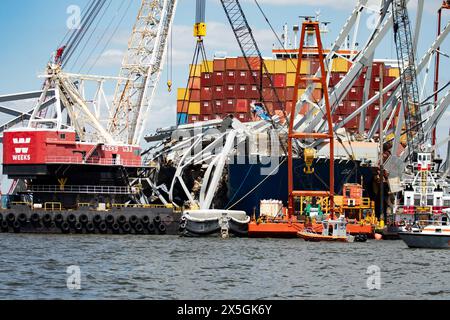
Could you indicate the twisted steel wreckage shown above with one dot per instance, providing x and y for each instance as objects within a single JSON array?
[{"x": 78, "y": 152}]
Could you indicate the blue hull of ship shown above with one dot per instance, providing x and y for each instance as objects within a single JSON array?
[{"x": 244, "y": 177}]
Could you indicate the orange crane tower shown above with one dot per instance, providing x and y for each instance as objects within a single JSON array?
[{"x": 313, "y": 27}]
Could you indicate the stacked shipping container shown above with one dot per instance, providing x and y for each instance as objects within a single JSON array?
[{"x": 228, "y": 87}]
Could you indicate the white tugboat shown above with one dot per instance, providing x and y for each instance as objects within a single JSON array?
[
  {"x": 436, "y": 235},
  {"x": 426, "y": 203}
]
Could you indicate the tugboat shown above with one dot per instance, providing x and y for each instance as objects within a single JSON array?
[
  {"x": 334, "y": 230},
  {"x": 436, "y": 235},
  {"x": 425, "y": 197},
  {"x": 196, "y": 223}
]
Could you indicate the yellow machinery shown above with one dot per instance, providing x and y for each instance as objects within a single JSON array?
[{"x": 309, "y": 155}]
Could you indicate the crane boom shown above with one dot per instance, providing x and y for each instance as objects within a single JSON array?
[
  {"x": 408, "y": 80},
  {"x": 141, "y": 70},
  {"x": 248, "y": 44}
]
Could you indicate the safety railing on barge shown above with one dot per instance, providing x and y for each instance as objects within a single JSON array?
[
  {"x": 94, "y": 161},
  {"x": 83, "y": 189}
]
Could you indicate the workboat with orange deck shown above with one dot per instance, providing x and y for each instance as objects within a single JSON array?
[
  {"x": 333, "y": 230},
  {"x": 274, "y": 220}
]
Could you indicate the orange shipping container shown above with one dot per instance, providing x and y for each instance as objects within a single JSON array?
[
  {"x": 242, "y": 105},
  {"x": 182, "y": 106},
  {"x": 231, "y": 63},
  {"x": 219, "y": 65},
  {"x": 194, "y": 83},
  {"x": 195, "y": 95}
]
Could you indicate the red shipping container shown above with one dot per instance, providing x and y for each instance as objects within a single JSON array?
[
  {"x": 355, "y": 94},
  {"x": 217, "y": 106},
  {"x": 230, "y": 90},
  {"x": 314, "y": 66},
  {"x": 230, "y": 105},
  {"x": 253, "y": 92},
  {"x": 218, "y": 93},
  {"x": 244, "y": 77},
  {"x": 219, "y": 65},
  {"x": 206, "y": 79},
  {"x": 193, "y": 118},
  {"x": 268, "y": 94},
  {"x": 269, "y": 107},
  {"x": 230, "y": 76},
  {"x": 281, "y": 93},
  {"x": 290, "y": 94},
  {"x": 206, "y": 93},
  {"x": 195, "y": 95},
  {"x": 218, "y": 78},
  {"x": 266, "y": 81},
  {"x": 241, "y": 91},
  {"x": 279, "y": 80},
  {"x": 206, "y": 107},
  {"x": 335, "y": 78}
]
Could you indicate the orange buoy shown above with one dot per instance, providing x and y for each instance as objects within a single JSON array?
[{"x": 378, "y": 236}]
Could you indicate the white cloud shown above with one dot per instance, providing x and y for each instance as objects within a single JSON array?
[{"x": 110, "y": 58}]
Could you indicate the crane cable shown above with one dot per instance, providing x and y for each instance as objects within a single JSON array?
[
  {"x": 112, "y": 35},
  {"x": 92, "y": 33},
  {"x": 77, "y": 39}
]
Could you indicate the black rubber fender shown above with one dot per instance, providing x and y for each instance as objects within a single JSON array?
[
  {"x": 115, "y": 228},
  {"x": 83, "y": 219},
  {"x": 22, "y": 219},
  {"x": 65, "y": 227},
  {"x": 133, "y": 220},
  {"x": 90, "y": 228},
  {"x": 1, "y": 217},
  {"x": 72, "y": 219},
  {"x": 145, "y": 220},
  {"x": 59, "y": 219},
  {"x": 110, "y": 220},
  {"x": 139, "y": 228},
  {"x": 97, "y": 219},
  {"x": 126, "y": 227},
  {"x": 4, "y": 226},
  {"x": 78, "y": 227},
  {"x": 16, "y": 226},
  {"x": 162, "y": 228},
  {"x": 122, "y": 220},
  {"x": 151, "y": 228},
  {"x": 157, "y": 220},
  {"x": 35, "y": 219},
  {"x": 11, "y": 218},
  {"x": 47, "y": 219},
  {"x": 103, "y": 228}
]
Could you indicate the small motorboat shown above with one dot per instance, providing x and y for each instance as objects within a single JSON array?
[
  {"x": 197, "y": 223},
  {"x": 436, "y": 235},
  {"x": 333, "y": 230}
]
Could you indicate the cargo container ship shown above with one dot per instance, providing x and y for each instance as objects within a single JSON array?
[{"x": 226, "y": 87}]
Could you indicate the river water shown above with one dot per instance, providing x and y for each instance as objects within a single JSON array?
[{"x": 166, "y": 267}]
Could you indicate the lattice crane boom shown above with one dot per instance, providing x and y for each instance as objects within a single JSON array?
[
  {"x": 141, "y": 70},
  {"x": 409, "y": 87}
]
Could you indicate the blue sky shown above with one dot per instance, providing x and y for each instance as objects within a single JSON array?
[{"x": 30, "y": 30}]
